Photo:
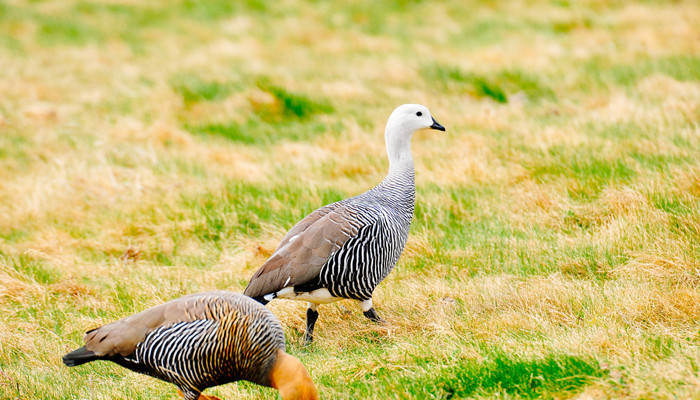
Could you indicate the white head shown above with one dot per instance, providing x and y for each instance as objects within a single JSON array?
[
  {"x": 409, "y": 118},
  {"x": 403, "y": 122}
]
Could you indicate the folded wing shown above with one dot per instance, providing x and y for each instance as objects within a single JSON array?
[
  {"x": 306, "y": 248},
  {"x": 121, "y": 337}
]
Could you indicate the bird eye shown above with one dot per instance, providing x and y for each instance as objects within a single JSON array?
[{"x": 419, "y": 113}]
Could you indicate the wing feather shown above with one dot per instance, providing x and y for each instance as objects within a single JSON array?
[
  {"x": 306, "y": 248},
  {"x": 122, "y": 337}
]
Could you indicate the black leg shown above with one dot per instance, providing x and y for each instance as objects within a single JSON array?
[
  {"x": 372, "y": 315},
  {"x": 311, "y": 317}
]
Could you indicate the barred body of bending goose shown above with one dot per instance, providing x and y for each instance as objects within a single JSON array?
[
  {"x": 199, "y": 341},
  {"x": 345, "y": 249}
]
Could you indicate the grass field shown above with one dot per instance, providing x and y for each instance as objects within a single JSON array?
[{"x": 151, "y": 149}]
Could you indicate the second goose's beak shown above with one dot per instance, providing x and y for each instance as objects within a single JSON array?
[{"x": 437, "y": 126}]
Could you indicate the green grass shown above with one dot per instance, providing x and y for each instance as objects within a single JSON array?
[
  {"x": 496, "y": 86},
  {"x": 257, "y": 132},
  {"x": 194, "y": 89},
  {"x": 244, "y": 209},
  {"x": 496, "y": 374},
  {"x": 35, "y": 270},
  {"x": 150, "y": 150},
  {"x": 682, "y": 67},
  {"x": 289, "y": 105},
  {"x": 553, "y": 377},
  {"x": 287, "y": 116}
]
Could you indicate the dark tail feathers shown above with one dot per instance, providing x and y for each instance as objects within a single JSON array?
[{"x": 79, "y": 356}]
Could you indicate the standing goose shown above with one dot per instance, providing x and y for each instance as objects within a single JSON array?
[
  {"x": 199, "y": 341},
  {"x": 345, "y": 249}
]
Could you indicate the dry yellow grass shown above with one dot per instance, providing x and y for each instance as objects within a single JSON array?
[{"x": 562, "y": 220}]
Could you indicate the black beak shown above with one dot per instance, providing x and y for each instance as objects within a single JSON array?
[{"x": 437, "y": 126}]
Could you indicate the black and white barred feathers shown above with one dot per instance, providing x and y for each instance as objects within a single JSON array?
[
  {"x": 195, "y": 342},
  {"x": 382, "y": 217}
]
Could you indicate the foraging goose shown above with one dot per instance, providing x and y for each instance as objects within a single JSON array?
[
  {"x": 199, "y": 341},
  {"x": 345, "y": 249}
]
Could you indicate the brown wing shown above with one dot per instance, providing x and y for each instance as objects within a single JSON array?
[
  {"x": 121, "y": 337},
  {"x": 305, "y": 249}
]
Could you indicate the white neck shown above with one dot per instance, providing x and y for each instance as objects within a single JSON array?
[{"x": 398, "y": 148}]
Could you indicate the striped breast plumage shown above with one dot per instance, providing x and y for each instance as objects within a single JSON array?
[{"x": 355, "y": 270}]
